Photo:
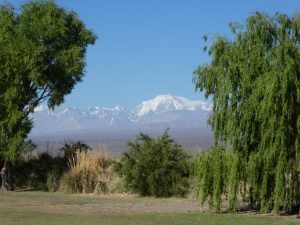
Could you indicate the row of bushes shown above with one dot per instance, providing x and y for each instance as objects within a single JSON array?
[
  {"x": 77, "y": 170},
  {"x": 151, "y": 167}
]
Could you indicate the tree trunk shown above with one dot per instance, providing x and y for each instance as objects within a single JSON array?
[{"x": 6, "y": 178}]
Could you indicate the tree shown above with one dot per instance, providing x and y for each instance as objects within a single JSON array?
[
  {"x": 155, "y": 167},
  {"x": 70, "y": 149},
  {"x": 211, "y": 172},
  {"x": 42, "y": 52},
  {"x": 254, "y": 82}
]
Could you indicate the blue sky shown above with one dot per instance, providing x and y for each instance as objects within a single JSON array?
[{"x": 146, "y": 48}]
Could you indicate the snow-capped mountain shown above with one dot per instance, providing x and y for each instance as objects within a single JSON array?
[
  {"x": 166, "y": 103},
  {"x": 161, "y": 111},
  {"x": 72, "y": 119}
]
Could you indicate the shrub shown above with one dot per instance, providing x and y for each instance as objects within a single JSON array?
[
  {"x": 33, "y": 171},
  {"x": 53, "y": 181},
  {"x": 155, "y": 167},
  {"x": 43, "y": 171},
  {"x": 89, "y": 172},
  {"x": 70, "y": 148}
]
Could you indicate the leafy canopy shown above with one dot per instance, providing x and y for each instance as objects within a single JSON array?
[
  {"x": 42, "y": 57},
  {"x": 155, "y": 167},
  {"x": 254, "y": 82}
]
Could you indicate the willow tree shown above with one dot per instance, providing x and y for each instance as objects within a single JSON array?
[
  {"x": 42, "y": 52},
  {"x": 254, "y": 82}
]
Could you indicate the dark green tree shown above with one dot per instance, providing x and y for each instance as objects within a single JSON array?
[
  {"x": 42, "y": 58},
  {"x": 155, "y": 167},
  {"x": 71, "y": 148},
  {"x": 254, "y": 81}
]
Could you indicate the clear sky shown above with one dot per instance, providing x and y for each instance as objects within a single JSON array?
[{"x": 151, "y": 47}]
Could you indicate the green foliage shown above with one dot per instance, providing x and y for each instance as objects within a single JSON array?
[
  {"x": 155, "y": 167},
  {"x": 44, "y": 171},
  {"x": 211, "y": 172},
  {"x": 27, "y": 147},
  {"x": 70, "y": 149},
  {"x": 255, "y": 87},
  {"x": 53, "y": 181},
  {"x": 42, "y": 52},
  {"x": 37, "y": 171}
]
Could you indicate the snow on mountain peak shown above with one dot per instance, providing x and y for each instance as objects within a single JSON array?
[
  {"x": 159, "y": 104},
  {"x": 118, "y": 108},
  {"x": 166, "y": 103},
  {"x": 162, "y": 109},
  {"x": 98, "y": 109}
]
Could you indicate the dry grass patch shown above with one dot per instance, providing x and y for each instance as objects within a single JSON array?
[{"x": 90, "y": 172}]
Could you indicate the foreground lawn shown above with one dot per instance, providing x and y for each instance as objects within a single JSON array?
[{"x": 39, "y": 208}]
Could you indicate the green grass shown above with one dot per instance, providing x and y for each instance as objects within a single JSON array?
[{"x": 38, "y": 208}]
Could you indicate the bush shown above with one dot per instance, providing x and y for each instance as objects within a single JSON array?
[
  {"x": 33, "y": 171},
  {"x": 53, "y": 181},
  {"x": 43, "y": 171},
  {"x": 71, "y": 148},
  {"x": 89, "y": 172},
  {"x": 155, "y": 167}
]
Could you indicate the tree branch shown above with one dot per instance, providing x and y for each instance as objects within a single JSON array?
[{"x": 44, "y": 95}]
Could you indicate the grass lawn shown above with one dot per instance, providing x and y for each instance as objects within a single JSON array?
[{"x": 39, "y": 208}]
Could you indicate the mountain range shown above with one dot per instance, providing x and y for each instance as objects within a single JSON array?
[
  {"x": 163, "y": 110},
  {"x": 184, "y": 117}
]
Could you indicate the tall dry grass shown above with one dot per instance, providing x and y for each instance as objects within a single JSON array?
[{"x": 90, "y": 172}]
